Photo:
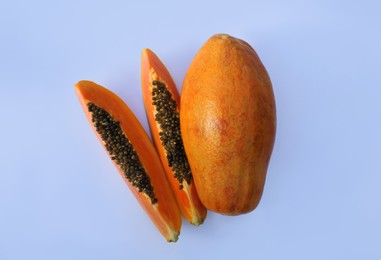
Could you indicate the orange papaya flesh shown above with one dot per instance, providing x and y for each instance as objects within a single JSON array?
[
  {"x": 133, "y": 154},
  {"x": 228, "y": 124},
  {"x": 162, "y": 105}
]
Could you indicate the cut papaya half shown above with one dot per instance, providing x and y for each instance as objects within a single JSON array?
[
  {"x": 162, "y": 105},
  {"x": 133, "y": 154}
]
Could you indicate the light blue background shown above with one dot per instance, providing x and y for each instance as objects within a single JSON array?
[{"x": 60, "y": 196}]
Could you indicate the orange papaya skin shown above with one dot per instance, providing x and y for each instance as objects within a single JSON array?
[
  {"x": 228, "y": 123},
  {"x": 165, "y": 214},
  {"x": 152, "y": 69}
]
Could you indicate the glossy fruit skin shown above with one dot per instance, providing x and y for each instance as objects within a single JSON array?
[
  {"x": 152, "y": 69},
  {"x": 228, "y": 124},
  {"x": 165, "y": 214}
]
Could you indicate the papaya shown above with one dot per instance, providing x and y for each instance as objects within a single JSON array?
[
  {"x": 162, "y": 104},
  {"x": 133, "y": 154},
  {"x": 228, "y": 124}
]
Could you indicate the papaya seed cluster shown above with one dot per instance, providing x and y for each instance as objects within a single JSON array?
[
  {"x": 121, "y": 150},
  {"x": 168, "y": 118}
]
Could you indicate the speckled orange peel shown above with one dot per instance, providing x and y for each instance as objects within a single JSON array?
[
  {"x": 228, "y": 124},
  {"x": 133, "y": 154},
  {"x": 162, "y": 106}
]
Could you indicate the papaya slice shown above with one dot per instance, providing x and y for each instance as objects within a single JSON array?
[
  {"x": 133, "y": 154},
  {"x": 162, "y": 105}
]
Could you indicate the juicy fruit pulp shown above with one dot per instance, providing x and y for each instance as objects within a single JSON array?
[
  {"x": 133, "y": 154},
  {"x": 162, "y": 101},
  {"x": 228, "y": 124}
]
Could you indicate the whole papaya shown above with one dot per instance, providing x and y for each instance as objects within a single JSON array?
[{"x": 228, "y": 124}]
